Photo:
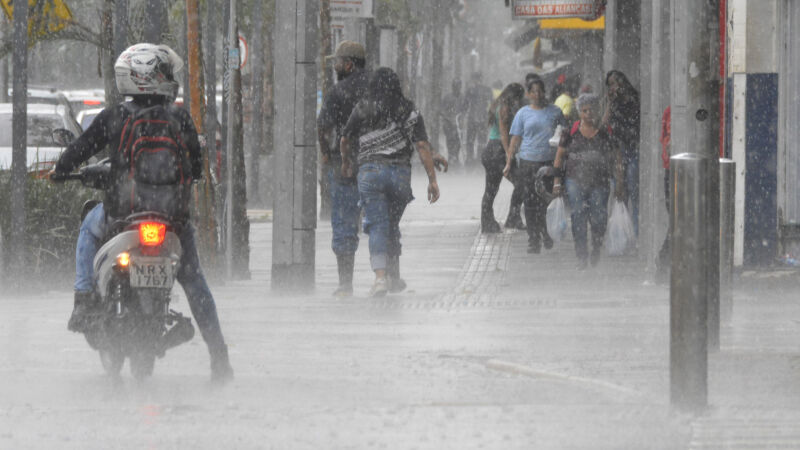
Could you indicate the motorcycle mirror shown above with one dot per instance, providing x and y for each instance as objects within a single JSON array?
[{"x": 62, "y": 136}]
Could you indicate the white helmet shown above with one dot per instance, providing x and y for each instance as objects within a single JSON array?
[{"x": 148, "y": 69}]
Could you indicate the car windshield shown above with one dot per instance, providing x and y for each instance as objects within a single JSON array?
[{"x": 40, "y": 129}]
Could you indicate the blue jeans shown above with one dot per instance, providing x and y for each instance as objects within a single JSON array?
[
  {"x": 345, "y": 211},
  {"x": 190, "y": 274},
  {"x": 385, "y": 191},
  {"x": 632, "y": 186},
  {"x": 589, "y": 207}
]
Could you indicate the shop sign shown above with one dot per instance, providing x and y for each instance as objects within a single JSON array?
[{"x": 547, "y": 9}]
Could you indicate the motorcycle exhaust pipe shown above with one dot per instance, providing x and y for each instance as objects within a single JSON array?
[{"x": 181, "y": 332}]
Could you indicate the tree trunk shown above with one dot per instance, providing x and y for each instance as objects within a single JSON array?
[
  {"x": 107, "y": 54},
  {"x": 257, "y": 74},
  {"x": 327, "y": 82}
]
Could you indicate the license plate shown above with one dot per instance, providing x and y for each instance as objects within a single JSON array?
[{"x": 151, "y": 273}]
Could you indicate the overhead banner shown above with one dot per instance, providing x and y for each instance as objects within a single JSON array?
[{"x": 548, "y": 9}]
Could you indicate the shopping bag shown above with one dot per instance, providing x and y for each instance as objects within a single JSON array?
[
  {"x": 620, "y": 230},
  {"x": 557, "y": 219}
]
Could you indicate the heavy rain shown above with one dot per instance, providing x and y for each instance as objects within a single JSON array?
[{"x": 399, "y": 224}]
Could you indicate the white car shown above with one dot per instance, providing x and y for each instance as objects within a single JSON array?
[{"x": 42, "y": 120}]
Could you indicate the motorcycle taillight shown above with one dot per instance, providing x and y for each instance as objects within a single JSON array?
[{"x": 151, "y": 234}]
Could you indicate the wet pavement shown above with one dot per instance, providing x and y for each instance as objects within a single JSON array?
[{"x": 488, "y": 348}]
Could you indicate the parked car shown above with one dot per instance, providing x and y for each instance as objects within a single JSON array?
[
  {"x": 86, "y": 117},
  {"x": 43, "y": 119}
]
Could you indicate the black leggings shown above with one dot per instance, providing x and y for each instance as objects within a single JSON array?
[
  {"x": 494, "y": 161},
  {"x": 535, "y": 205}
]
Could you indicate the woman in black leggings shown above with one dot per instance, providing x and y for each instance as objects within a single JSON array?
[{"x": 501, "y": 113}]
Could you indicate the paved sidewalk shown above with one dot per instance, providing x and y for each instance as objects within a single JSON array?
[{"x": 488, "y": 348}]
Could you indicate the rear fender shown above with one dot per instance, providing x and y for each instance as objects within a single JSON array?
[{"x": 128, "y": 241}]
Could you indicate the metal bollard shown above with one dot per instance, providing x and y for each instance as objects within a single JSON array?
[
  {"x": 689, "y": 281},
  {"x": 727, "y": 209}
]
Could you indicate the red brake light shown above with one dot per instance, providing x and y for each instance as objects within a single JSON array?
[
  {"x": 92, "y": 102},
  {"x": 152, "y": 234}
]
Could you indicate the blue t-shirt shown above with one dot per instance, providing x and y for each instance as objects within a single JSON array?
[{"x": 536, "y": 126}]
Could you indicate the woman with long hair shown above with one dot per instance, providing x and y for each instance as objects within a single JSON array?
[
  {"x": 589, "y": 156},
  {"x": 531, "y": 130},
  {"x": 388, "y": 129},
  {"x": 493, "y": 158}
]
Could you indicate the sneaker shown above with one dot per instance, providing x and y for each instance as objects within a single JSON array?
[
  {"x": 547, "y": 241},
  {"x": 396, "y": 285},
  {"x": 534, "y": 247},
  {"x": 343, "y": 291},
  {"x": 82, "y": 312},
  {"x": 379, "y": 288},
  {"x": 594, "y": 258},
  {"x": 221, "y": 370},
  {"x": 515, "y": 223},
  {"x": 491, "y": 227}
]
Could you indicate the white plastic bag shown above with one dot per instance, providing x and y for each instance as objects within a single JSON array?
[
  {"x": 556, "y": 138},
  {"x": 620, "y": 230},
  {"x": 557, "y": 219}
]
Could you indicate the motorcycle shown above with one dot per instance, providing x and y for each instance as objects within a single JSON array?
[{"x": 134, "y": 272}]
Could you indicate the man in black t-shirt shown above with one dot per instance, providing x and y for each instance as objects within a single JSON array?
[{"x": 349, "y": 63}]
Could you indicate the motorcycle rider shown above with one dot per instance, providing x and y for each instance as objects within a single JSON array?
[{"x": 146, "y": 72}]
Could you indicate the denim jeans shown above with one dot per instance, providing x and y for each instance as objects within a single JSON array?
[
  {"x": 345, "y": 211},
  {"x": 385, "y": 191},
  {"x": 588, "y": 204},
  {"x": 190, "y": 274}
]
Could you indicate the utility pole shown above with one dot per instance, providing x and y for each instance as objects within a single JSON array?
[
  {"x": 295, "y": 218},
  {"x": 694, "y": 287},
  {"x": 19, "y": 132},
  {"x": 238, "y": 248},
  {"x": 440, "y": 12}
]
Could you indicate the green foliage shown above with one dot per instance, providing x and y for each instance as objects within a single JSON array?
[{"x": 51, "y": 228}]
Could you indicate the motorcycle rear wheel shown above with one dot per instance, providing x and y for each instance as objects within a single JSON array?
[
  {"x": 142, "y": 364},
  {"x": 112, "y": 361}
]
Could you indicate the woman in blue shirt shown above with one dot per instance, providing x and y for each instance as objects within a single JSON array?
[{"x": 531, "y": 130}]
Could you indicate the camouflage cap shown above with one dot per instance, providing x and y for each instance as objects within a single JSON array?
[{"x": 349, "y": 49}]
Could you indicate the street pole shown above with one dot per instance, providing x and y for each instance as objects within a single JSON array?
[
  {"x": 727, "y": 211},
  {"x": 694, "y": 285},
  {"x": 294, "y": 206},
  {"x": 19, "y": 132},
  {"x": 232, "y": 66},
  {"x": 108, "y": 57}
]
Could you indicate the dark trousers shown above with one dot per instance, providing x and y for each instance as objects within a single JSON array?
[
  {"x": 453, "y": 142},
  {"x": 535, "y": 205},
  {"x": 494, "y": 160}
]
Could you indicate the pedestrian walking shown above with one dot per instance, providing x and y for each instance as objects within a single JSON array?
[
  {"x": 349, "y": 63},
  {"x": 477, "y": 100},
  {"x": 622, "y": 115},
  {"x": 531, "y": 130},
  {"x": 386, "y": 128},
  {"x": 452, "y": 108},
  {"x": 586, "y": 159},
  {"x": 501, "y": 113}
]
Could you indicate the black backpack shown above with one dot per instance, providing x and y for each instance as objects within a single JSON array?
[{"x": 155, "y": 170}]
